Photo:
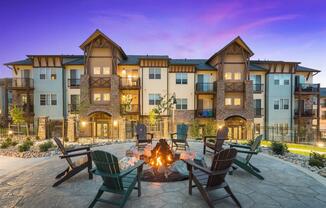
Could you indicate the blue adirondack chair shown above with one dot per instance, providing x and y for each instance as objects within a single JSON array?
[{"x": 179, "y": 139}]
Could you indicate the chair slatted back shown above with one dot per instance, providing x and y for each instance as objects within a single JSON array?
[
  {"x": 63, "y": 151},
  {"x": 108, "y": 164},
  {"x": 221, "y": 136},
  {"x": 141, "y": 131},
  {"x": 182, "y": 131},
  {"x": 222, "y": 161},
  {"x": 254, "y": 146}
]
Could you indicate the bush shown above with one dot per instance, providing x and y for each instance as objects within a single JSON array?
[
  {"x": 29, "y": 142},
  {"x": 317, "y": 159},
  {"x": 279, "y": 148},
  {"x": 194, "y": 129},
  {"x": 4, "y": 145},
  {"x": 24, "y": 147},
  {"x": 46, "y": 146},
  {"x": 37, "y": 138},
  {"x": 210, "y": 129},
  {"x": 7, "y": 143}
]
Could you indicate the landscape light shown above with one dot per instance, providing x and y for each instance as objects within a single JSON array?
[
  {"x": 320, "y": 144},
  {"x": 10, "y": 132}
]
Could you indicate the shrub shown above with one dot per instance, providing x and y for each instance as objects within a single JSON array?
[
  {"x": 7, "y": 143},
  {"x": 317, "y": 159},
  {"x": 194, "y": 129},
  {"x": 29, "y": 142},
  {"x": 14, "y": 143},
  {"x": 209, "y": 129},
  {"x": 24, "y": 147},
  {"x": 46, "y": 146},
  {"x": 4, "y": 145},
  {"x": 37, "y": 138},
  {"x": 279, "y": 148}
]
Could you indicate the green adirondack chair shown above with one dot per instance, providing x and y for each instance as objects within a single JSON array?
[
  {"x": 244, "y": 163},
  {"x": 114, "y": 180},
  {"x": 180, "y": 142}
]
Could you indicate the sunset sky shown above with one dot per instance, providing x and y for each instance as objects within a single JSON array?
[{"x": 276, "y": 30}]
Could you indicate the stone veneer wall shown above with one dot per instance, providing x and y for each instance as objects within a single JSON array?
[{"x": 184, "y": 116}]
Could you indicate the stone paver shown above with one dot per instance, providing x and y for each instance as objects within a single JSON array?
[{"x": 284, "y": 186}]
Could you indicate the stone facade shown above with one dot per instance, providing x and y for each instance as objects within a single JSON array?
[
  {"x": 42, "y": 132},
  {"x": 184, "y": 116}
]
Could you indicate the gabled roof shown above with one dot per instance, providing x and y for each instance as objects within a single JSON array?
[
  {"x": 256, "y": 67},
  {"x": 200, "y": 64},
  {"x": 76, "y": 61},
  {"x": 322, "y": 92},
  {"x": 237, "y": 40},
  {"x": 99, "y": 33},
  {"x": 27, "y": 61},
  {"x": 306, "y": 69}
]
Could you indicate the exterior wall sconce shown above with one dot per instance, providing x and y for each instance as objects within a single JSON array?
[
  {"x": 83, "y": 123},
  {"x": 115, "y": 123}
]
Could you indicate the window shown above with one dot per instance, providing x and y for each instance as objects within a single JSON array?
[
  {"x": 257, "y": 128},
  {"x": 276, "y": 104},
  {"x": 154, "y": 99},
  {"x": 237, "y": 76},
  {"x": 228, "y": 101},
  {"x": 43, "y": 99},
  {"x": 323, "y": 115},
  {"x": 106, "y": 97},
  {"x": 24, "y": 98},
  {"x": 53, "y": 99},
  {"x": 154, "y": 73},
  {"x": 53, "y": 74},
  {"x": 42, "y": 73},
  {"x": 181, "y": 78},
  {"x": 285, "y": 104},
  {"x": 286, "y": 82},
  {"x": 97, "y": 97},
  {"x": 237, "y": 101},
  {"x": 106, "y": 70},
  {"x": 97, "y": 70},
  {"x": 228, "y": 76},
  {"x": 276, "y": 80},
  {"x": 182, "y": 104}
]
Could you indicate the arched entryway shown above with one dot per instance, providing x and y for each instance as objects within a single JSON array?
[
  {"x": 237, "y": 127},
  {"x": 101, "y": 124}
]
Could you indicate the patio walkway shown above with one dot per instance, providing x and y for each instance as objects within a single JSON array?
[{"x": 284, "y": 186}]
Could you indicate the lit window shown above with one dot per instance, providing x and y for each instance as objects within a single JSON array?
[
  {"x": 24, "y": 98},
  {"x": 97, "y": 70},
  {"x": 182, "y": 104},
  {"x": 53, "y": 99},
  {"x": 53, "y": 74},
  {"x": 237, "y": 101},
  {"x": 228, "y": 101},
  {"x": 237, "y": 76},
  {"x": 154, "y": 73},
  {"x": 106, "y": 70},
  {"x": 181, "y": 78},
  {"x": 228, "y": 76},
  {"x": 276, "y": 104},
  {"x": 106, "y": 97},
  {"x": 154, "y": 99},
  {"x": 97, "y": 97}
]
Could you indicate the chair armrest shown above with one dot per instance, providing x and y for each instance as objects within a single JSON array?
[
  {"x": 192, "y": 164},
  {"x": 220, "y": 172},
  {"x": 240, "y": 146},
  {"x": 75, "y": 154},
  {"x": 247, "y": 152},
  {"x": 151, "y": 134},
  {"x": 78, "y": 149},
  {"x": 172, "y": 134},
  {"x": 100, "y": 173},
  {"x": 140, "y": 163}
]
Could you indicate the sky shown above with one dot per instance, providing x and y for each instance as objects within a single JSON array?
[{"x": 289, "y": 30}]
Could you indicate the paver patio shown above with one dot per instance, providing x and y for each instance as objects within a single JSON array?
[{"x": 284, "y": 186}]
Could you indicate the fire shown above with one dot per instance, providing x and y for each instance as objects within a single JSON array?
[{"x": 161, "y": 155}]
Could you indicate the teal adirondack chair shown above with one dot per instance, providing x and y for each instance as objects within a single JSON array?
[
  {"x": 180, "y": 142},
  {"x": 244, "y": 163},
  {"x": 114, "y": 180}
]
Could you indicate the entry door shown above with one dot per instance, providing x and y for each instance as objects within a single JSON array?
[
  {"x": 235, "y": 133},
  {"x": 102, "y": 129}
]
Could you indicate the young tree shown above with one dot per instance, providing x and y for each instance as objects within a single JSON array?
[{"x": 17, "y": 116}]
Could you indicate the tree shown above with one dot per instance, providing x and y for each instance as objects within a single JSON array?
[{"x": 17, "y": 116}]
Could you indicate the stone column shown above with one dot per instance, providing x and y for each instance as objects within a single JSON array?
[
  {"x": 71, "y": 128},
  {"x": 166, "y": 127},
  {"x": 42, "y": 132},
  {"x": 122, "y": 129}
]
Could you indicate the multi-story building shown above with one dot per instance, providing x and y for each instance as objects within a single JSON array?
[
  {"x": 5, "y": 100},
  {"x": 323, "y": 113},
  {"x": 105, "y": 91}
]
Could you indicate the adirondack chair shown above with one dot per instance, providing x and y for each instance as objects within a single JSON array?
[
  {"x": 220, "y": 137},
  {"x": 207, "y": 180},
  {"x": 244, "y": 163},
  {"x": 180, "y": 142},
  {"x": 142, "y": 136},
  {"x": 114, "y": 180},
  {"x": 74, "y": 167}
]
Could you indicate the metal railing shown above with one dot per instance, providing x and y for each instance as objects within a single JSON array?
[
  {"x": 129, "y": 109},
  {"x": 205, "y": 87},
  {"x": 312, "y": 88},
  {"x": 129, "y": 82},
  {"x": 257, "y": 88},
  {"x": 26, "y": 83},
  {"x": 205, "y": 113},
  {"x": 73, "y": 108},
  {"x": 305, "y": 112},
  {"x": 74, "y": 83}
]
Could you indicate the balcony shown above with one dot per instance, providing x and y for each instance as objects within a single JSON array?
[
  {"x": 234, "y": 87},
  {"x": 127, "y": 109},
  {"x": 22, "y": 83},
  {"x": 305, "y": 113},
  {"x": 205, "y": 113},
  {"x": 129, "y": 83},
  {"x": 73, "y": 108},
  {"x": 26, "y": 108},
  {"x": 257, "y": 88},
  {"x": 259, "y": 112},
  {"x": 307, "y": 88},
  {"x": 100, "y": 82},
  {"x": 74, "y": 83},
  {"x": 205, "y": 88}
]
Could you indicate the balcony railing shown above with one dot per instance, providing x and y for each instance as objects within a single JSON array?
[
  {"x": 234, "y": 86},
  {"x": 73, "y": 108},
  {"x": 259, "y": 112},
  {"x": 129, "y": 109},
  {"x": 305, "y": 113},
  {"x": 74, "y": 83},
  {"x": 129, "y": 83},
  {"x": 205, "y": 113},
  {"x": 100, "y": 82},
  {"x": 22, "y": 83},
  {"x": 307, "y": 88},
  {"x": 257, "y": 88},
  {"x": 205, "y": 87}
]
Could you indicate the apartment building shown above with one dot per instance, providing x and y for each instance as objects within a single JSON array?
[
  {"x": 323, "y": 113},
  {"x": 104, "y": 92},
  {"x": 5, "y": 100}
]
